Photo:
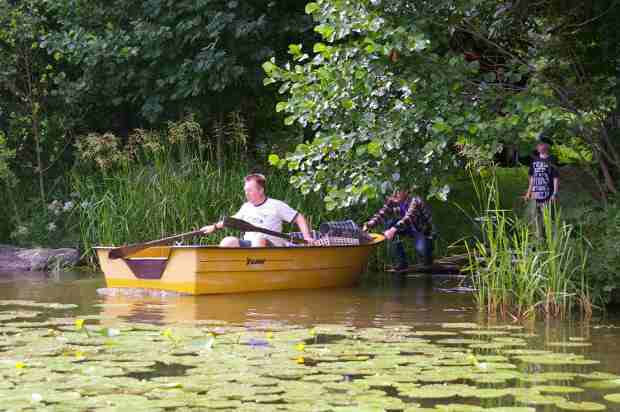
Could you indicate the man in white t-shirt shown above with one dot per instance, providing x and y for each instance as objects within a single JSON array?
[{"x": 261, "y": 211}]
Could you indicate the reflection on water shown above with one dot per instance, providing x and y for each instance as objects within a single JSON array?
[
  {"x": 411, "y": 301},
  {"x": 403, "y": 299}
]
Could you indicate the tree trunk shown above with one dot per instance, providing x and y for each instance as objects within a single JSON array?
[
  {"x": 607, "y": 177},
  {"x": 36, "y": 134}
]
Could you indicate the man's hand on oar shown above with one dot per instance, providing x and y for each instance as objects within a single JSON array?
[{"x": 207, "y": 230}]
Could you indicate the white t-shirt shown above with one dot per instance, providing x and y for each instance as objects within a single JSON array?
[{"x": 269, "y": 215}]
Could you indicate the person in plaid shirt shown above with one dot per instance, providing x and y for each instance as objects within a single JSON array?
[{"x": 405, "y": 216}]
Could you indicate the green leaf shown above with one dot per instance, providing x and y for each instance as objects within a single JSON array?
[
  {"x": 325, "y": 30},
  {"x": 294, "y": 49},
  {"x": 319, "y": 47},
  {"x": 374, "y": 148},
  {"x": 311, "y": 8},
  {"x": 269, "y": 67},
  {"x": 274, "y": 159},
  {"x": 289, "y": 120},
  {"x": 347, "y": 104},
  {"x": 281, "y": 106}
]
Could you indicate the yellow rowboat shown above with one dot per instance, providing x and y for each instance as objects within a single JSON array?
[{"x": 199, "y": 270}]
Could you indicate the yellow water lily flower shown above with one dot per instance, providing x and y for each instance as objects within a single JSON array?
[
  {"x": 167, "y": 333},
  {"x": 20, "y": 365},
  {"x": 79, "y": 354},
  {"x": 300, "y": 346},
  {"x": 472, "y": 359},
  {"x": 269, "y": 335},
  {"x": 79, "y": 324},
  {"x": 300, "y": 360}
]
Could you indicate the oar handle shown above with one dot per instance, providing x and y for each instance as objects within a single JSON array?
[
  {"x": 234, "y": 223},
  {"x": 123, "y": 251}
]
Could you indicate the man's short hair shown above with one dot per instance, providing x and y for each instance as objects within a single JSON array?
[
  {"x": 256, "y": 177},
  {"x": 542, "y": 147}
]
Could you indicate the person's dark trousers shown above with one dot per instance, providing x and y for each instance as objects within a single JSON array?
[{"x": 423, "y": 246}]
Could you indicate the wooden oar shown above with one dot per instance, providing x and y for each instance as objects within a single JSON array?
[
  {"x": 123, "y": 251},
  {"x": 234, "y": 223}
]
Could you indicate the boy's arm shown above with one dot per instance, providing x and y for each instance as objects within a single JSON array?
[{"x": 528, "y": 194}]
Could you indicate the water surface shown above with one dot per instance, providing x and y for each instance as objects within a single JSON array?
[{"x": 423, "y": 303}]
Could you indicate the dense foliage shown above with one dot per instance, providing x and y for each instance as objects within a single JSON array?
[
  {"x": 398, "y": 87},
  {"x": 70, "y": 68}
]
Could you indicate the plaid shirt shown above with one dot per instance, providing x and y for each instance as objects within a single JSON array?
[{"x": 416, "y": 215}]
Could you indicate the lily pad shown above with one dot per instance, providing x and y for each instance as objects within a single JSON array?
[
  {"x": 601, "y": 384},
  {"x": 613, "y": 397},
  {"x": 569, "y": 344},
  {"x": 580, "y": 406},
  {"x": 557, "y": 389},
  {"x": 457, "y": 407},
  {"x": 599, "y": 376},
  {"x": 456, "y": 325}
]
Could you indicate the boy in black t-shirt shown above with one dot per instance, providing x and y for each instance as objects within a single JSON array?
[{"x": 544, "y": 182}]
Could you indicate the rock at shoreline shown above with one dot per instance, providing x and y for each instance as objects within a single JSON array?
[{"x": 37, "y": 259}]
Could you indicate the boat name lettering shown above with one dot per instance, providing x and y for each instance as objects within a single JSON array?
[{"x": 251, "y": 261}]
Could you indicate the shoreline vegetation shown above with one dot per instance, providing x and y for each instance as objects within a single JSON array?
[
  {"x": 123, "y": 122},
  {"x": 157, "y": 186},
  {"x": 521, "y": 271}
]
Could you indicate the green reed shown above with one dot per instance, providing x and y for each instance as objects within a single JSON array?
[
  {"x": 519, "y": 272},
  {"x": 144, "y": 202}
]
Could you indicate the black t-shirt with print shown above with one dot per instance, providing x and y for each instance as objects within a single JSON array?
[{"x": 543, "y": 171}]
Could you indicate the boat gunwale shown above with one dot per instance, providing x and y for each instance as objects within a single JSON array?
[{"x": 377, "y": 239}]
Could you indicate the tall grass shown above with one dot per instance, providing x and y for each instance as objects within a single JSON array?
[
  {"x": 141, "y": 202},
  {"x": 520, "y": 274}
]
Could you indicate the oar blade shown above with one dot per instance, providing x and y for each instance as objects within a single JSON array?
[{"x": 123, "y": 251}]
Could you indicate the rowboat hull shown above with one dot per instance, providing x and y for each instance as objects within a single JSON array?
[{"x": 198, "y": 270}]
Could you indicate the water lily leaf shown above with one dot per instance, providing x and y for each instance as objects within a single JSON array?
[
  {"x": 566, "y": 344},
  {"x": 47, "y": 305},
  {"x": 557, "y": 389},
  {"x": 556, "y": 359},
  {"x": 601, "y": 384},
  {"x": 525, "y": 335},
  {"x": 599, "y": 376},
  {"x": 526, "y": 352},
  {"x": 458, "y": 407},
  {"x": 433, "y": 333},
  {"x": 459, "y": 341},
  {"x": 485, "y": 332},
  {"x": 511, "y": 341},
  {"x": 436, "y": 391},
  {"x": 538, "y": 399},
  {"x": 463, "y": 325},
  {"x": 613, "y": 397},
  {"x": 580, "y": 406}
]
